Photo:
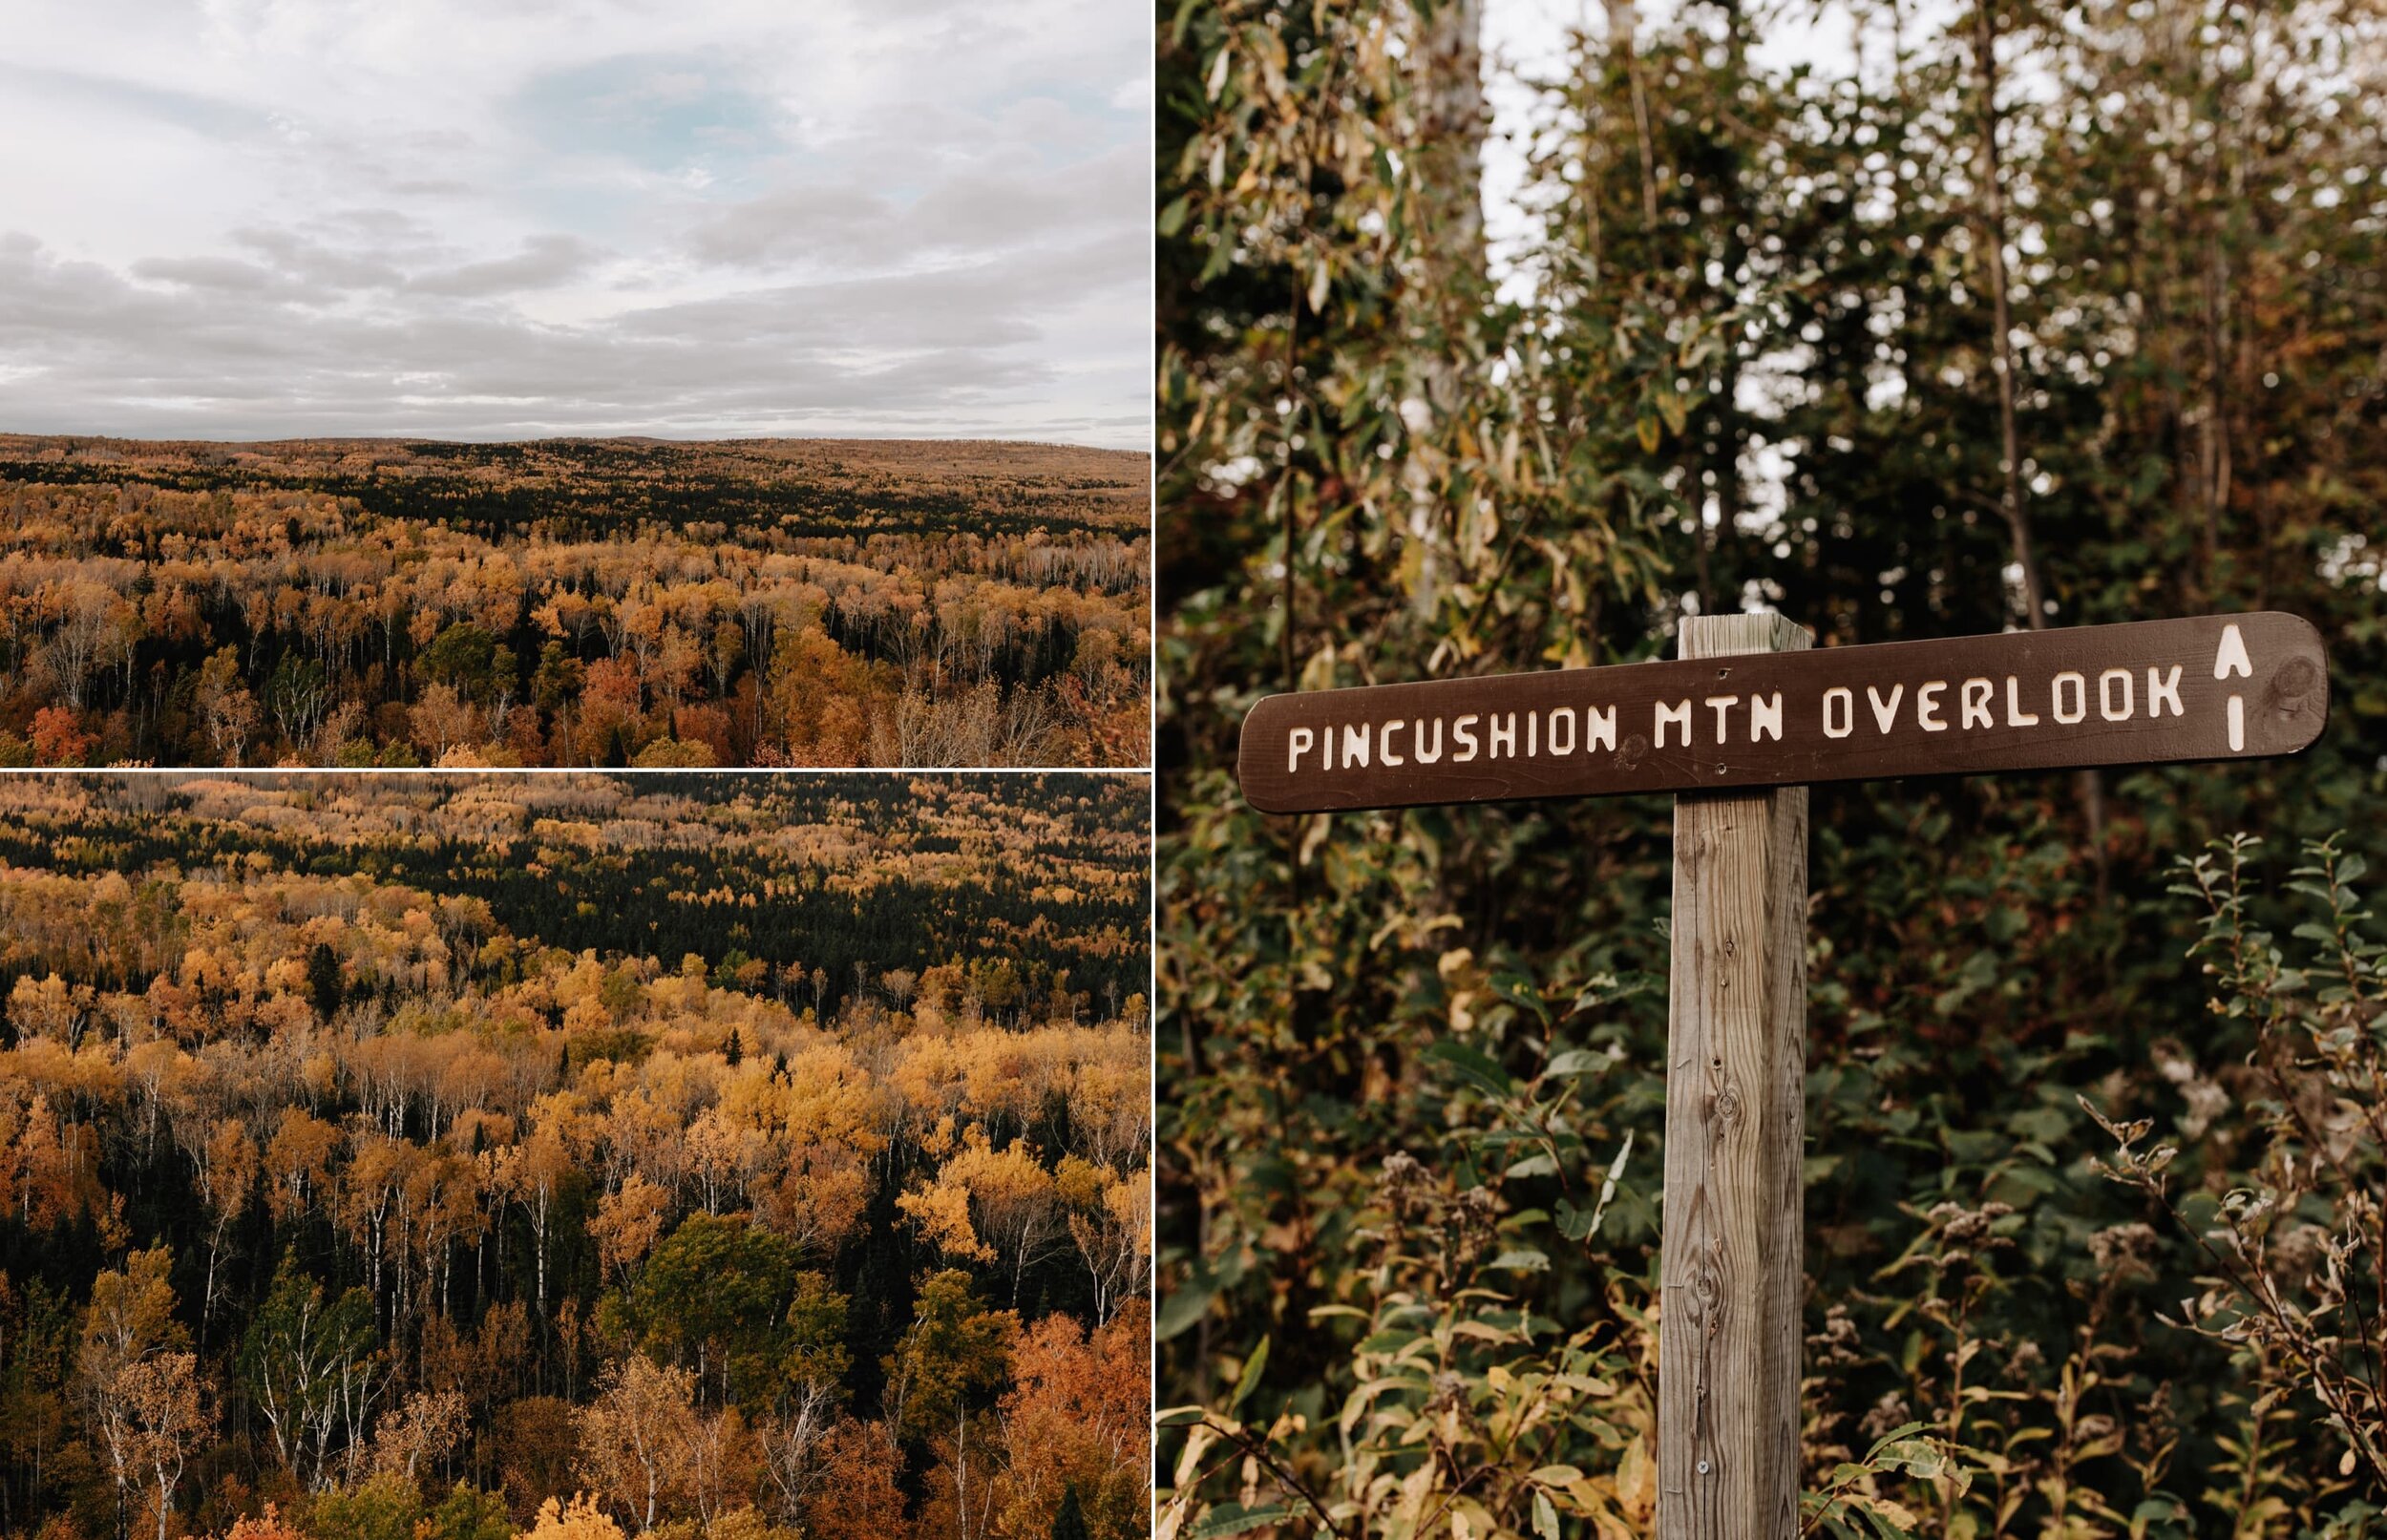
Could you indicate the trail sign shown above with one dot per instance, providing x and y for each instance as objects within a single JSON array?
[
  {"x": 1739, "y": 726},
  {"x": 2216, "y": 687}
]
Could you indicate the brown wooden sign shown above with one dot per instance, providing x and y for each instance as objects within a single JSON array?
[{"x": 2209, "y": 688}]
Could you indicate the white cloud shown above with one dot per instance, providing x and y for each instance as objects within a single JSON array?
[{"x": 263, "y": 217}]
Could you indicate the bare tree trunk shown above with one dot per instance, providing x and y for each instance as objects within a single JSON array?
[
  {"x": 2017, "y": 514},
  {"x": 1624, "y": 40},
  {"x": 1695, "y": 460},
  {"x": 1451, "y": 119},
  {"x": 1451, "y": 123},
  {"x": 2090, "y": 786},
  {"x": 2218, "y": 195}
]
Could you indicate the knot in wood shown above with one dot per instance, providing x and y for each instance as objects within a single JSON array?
[
  {"x": 1708, "y": 1286},
  {"x": 2297, "y": 688}
]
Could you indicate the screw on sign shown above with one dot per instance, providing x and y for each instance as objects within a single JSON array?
[{"x": 1738, "y": 726}]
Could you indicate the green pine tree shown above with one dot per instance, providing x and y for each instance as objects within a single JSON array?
[
  {"x": 325, "y": 988},
  {"x": 1069, "y": 1523}
]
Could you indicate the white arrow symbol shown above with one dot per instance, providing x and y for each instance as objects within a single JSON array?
[{"x": 2231, "y": 660}]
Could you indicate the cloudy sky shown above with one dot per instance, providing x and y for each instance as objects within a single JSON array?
[{"x": 492, "y": 219}]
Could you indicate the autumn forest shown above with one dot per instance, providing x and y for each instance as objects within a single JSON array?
[
  {"x": 388, "y": 1157},
  {"x": 572, "y": 603}
]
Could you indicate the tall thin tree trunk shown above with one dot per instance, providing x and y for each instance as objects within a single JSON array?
[
  {"x": 1452, "y": 266},
  {"x": 2011, "y": 504},
  {"x": 1625, "y": 46},
  {"x": 1624, "y": 41},
  {"x": 2089, "y": 785},
  {"x": 2219, "y": 194}
]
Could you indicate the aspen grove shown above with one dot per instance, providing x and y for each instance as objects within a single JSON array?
[
  {"x": 390, "y": 1158},
  {"x": 588, "y": 604}
]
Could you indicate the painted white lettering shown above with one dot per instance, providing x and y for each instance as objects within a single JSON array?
[
  {"x": 1356, "y": 744},
  {"x": 1462, "y": 735},
  {"x": 1300, "y": 743},
  {"x": 1722, "y": 705},
  {"x": 1532, "y": 735},
  {"x": 1680, "y": 714},
  {"x": 1927, "y": 709},
  {"x": 1428, "y": 751},
  {"x": 2105, "y": 706},
  {"x": 2016, "y": 716},
  {"x": 1502, "y": 732},
  {"x": 1973, "y": 697},
  {"x": 1842, "y": 722},
  {"x": 1884, "y": 713},
  {"x": 1383, "y": 742},
  {"x": 2231, "y": 659},
  {"x": 2160, "y": 690},
  {"x": 1599, "y": 728},
  {"x": 1558, "y": 715},
  {"x": 2079, "y": 710},
  {"x": 1765, "y": 717}
]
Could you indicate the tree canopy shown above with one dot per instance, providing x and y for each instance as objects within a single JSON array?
[
  {"x": 570, "y": 603},
  {"x": 345, "y": 1196}
]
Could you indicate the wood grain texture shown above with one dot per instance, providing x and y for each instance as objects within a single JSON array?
[
  {"x": 1732, "y": 1264},
  {"x": 2142, "y": 692}
]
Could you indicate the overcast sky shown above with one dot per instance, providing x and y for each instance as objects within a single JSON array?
[
  {"x": 1528, "y": 40},
  {"x": 496, "y": 218}
]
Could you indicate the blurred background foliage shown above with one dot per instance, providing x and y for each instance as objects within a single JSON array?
[{"x": 1749, "y": 352}]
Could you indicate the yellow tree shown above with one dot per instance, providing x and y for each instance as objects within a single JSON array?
[
  {"x": 226, "y": 1163},
  {"x": 988, "y": 1203},
  {"x": 580, "y": 1519},
  {"x": 629, "y": 1434},
  {"x": 1111, "y": 1219},
  {"x": 129, "y": 1322},
  {"x": 166, "y": 1420},
  {"x": 626, "y": 1224},
  {"x": 533, "y": 1174},
  {"x": 417, "y": 1432}
]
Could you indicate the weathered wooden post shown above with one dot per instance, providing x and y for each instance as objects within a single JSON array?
[
  {"x": 1736, "y": 1123},
  {"x": 1738, "y": 727}
]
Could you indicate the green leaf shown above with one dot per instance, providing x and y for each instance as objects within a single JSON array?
[
  {"x": 1887, "y": 1528},
  {"x": 1519, "y": 990},
  {"x": 1181, "y": 1309},
  {"x": 1253, "y": 1367},
  {"x": 1473, "y": 1065},
  {"x": 1578, "y": 1061},
  {"x": 1234, "y": 1518}
]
